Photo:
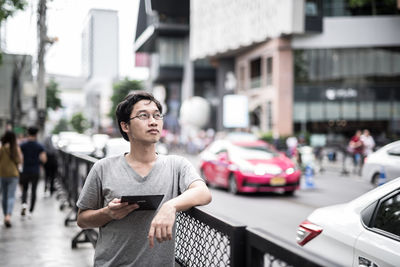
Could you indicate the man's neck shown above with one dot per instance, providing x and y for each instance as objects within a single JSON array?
[
  {"x": 142, "y": 153},
  {"x": 31, "y": 138}
]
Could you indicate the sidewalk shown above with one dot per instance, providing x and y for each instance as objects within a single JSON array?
[{"x": 42, "y": 240}]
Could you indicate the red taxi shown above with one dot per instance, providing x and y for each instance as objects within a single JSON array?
[{"x": 248, "y": 166}]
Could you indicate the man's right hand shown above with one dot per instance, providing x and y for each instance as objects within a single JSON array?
[{"x": 118, "y": 210}]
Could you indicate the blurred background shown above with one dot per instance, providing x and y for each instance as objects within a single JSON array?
[
  {"x": 310, "y": 69},
  {"x": 260, "y": 95}
]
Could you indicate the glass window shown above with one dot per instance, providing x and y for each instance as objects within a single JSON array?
[
  {"x": 171, "y": 51},
  {"x": 269, "y": 71},
  {"x": 316, "y": 111},
  {"x": 255, "y": 73},
  {"x": 366, "y": 110},
  {"x": 300, "y": 111},
  {"x": 388, "y": 215},
  {"x": 383, "y": 110},
  {"x": 332, "y": 110},
  {"x": 396, "y": 110},
  {"x": 349, "y": 110},
  {"x": 359, "y": 8},
  {"x": 332, "y": 64}
]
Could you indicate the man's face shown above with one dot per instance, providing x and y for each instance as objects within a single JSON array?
[{"x": 147, "y": 130}]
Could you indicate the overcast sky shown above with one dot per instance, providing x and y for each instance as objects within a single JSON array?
[{"x": 65, "y": 20}]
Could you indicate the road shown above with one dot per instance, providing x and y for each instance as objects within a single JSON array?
[{"x": 280, "y": 214}]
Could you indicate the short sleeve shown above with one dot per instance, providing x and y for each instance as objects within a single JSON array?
[
  {"x": 187, "y": 175},
  {"x": 91, "y": 194},
  {"x": 41, "y": 148}
]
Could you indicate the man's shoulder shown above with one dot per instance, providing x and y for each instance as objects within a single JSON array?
[
  {"x": 175, "y": 160},
  {"x": 108, "y": 161}
]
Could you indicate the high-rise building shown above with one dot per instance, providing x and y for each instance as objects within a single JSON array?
[{"x": 100, "y": 63}]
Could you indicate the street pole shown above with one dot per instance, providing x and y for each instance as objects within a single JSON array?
[{"x": 43, "y": 39}]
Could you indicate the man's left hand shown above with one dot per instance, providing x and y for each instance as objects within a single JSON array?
[{"x": 162, "y": 224}]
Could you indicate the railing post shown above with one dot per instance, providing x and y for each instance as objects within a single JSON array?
[{"x": 238, "y": 246}]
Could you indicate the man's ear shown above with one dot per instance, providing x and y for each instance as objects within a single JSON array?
[{"x": 124, "y": 126}]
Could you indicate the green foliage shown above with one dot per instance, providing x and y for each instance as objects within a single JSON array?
[
  {"x": 267, "y": 137},
  {"x": 79, "y": 122},
  {"x": 7, "y": 9},
  {"x": 52, "y": 99},
  {"x": 358, "y": 3},
  {"x": 120, "y": 90},
  {"x": 61, "y": 126}
]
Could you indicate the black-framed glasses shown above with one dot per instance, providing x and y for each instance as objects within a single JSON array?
[{"x": 146, "y": 116}]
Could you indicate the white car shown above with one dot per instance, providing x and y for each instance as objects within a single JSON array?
[
  {"x": 385, "y": 160},
  {"x": 362, "y": 232}
]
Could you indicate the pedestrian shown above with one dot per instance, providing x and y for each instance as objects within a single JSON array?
[
  {"x": 10, "y": 158},
  {"x": 34, "y": 155},
  {"x": 127, "y": 235},
  {"x": 356, "y": 148},
  {"x": 368, "y": 142},
  {"x": 51, "y": 166}
]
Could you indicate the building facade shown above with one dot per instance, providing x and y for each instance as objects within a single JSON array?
[
  {"x": 163, "y": 33},
  {"x": 100, "y": 65},
  {"x": 310, "y": 66},
  {"x": 18, "y": 93}
]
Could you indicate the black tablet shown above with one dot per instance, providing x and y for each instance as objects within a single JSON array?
[{"x": 146, "y": 202}]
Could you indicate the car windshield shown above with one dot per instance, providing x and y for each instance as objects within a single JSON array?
[{"x": 253, "y": 152}]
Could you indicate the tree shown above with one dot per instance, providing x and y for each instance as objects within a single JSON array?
[
  {"x": 52, "y": 99},
  {"x": 61, "y": 126},
  {"x": 79, "y": 122},
  {"x": 120, "y": 90},
  {"x": 7, "y": 9}
]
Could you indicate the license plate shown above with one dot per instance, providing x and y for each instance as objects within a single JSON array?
[{"x": 277, "y": 181}]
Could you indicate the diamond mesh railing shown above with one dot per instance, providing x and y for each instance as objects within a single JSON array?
[
  {"x": 197, "y": 244},
  {"x": 202, "y": 239}
]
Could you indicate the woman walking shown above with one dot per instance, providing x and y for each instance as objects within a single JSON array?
[{"x": 10, "y": 158}]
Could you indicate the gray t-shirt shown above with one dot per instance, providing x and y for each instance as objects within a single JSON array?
[{"x": 124, "y": 242}]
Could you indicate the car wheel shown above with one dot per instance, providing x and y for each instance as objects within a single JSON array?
[
  {"x": 375, "y": 179},
  {"x": 233, "y": 184}
]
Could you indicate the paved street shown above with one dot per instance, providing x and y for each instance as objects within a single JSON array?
[{"x": 42, "y": 240}]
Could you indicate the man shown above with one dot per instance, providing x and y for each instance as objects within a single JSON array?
[
  {"x": 127, "y": 235},
  {"x": 34, "y": 155}
]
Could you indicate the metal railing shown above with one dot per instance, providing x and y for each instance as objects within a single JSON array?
[{"x": 202, "y": 239}]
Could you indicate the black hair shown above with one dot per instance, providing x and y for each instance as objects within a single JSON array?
[
  {"x": 10, "y": 138},
  {"x": 125, "y": 107},
  {"x": 32, "y": 131}
]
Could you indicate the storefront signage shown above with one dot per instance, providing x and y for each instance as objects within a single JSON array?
[{"x": 340, "y": 93}]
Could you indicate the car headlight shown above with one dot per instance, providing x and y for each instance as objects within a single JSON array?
[
  {"x": 290, "y": 171},
  {"x": 262, "y": 169}
]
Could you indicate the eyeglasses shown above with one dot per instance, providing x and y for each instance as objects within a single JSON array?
[{"x": 146, "y": 116}]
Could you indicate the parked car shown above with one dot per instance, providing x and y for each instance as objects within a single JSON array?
[
  {"x": 386, "y": 160},
  {"x": 248, "y": 166},
  {"x": 76, "y": 143},
  {"x": 362, "y": 232}
]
